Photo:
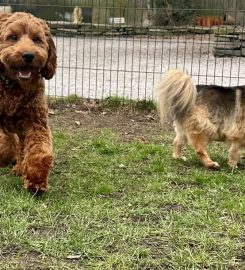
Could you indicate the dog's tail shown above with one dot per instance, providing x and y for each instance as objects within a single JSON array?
[{"x": 175, "y": 94}]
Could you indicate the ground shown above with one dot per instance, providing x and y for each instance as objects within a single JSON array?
[
  {"x": 118, "y": 201},
  {"x": 128, "y": 123}
]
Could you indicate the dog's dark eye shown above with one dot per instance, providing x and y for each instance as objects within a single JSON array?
[
  {"x": 12, "y": 37},
  {"x": 36, "y": 39}
]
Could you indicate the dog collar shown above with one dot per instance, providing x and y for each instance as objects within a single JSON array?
[{"x": 7, "y": 81}]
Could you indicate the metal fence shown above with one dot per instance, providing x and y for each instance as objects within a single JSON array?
[{"x": 121, "y": 48}]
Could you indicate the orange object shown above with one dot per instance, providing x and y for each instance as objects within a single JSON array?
[{"x": 208, "y": 21}]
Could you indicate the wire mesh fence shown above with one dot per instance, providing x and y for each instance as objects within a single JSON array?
[{"x": 120, "y": 48}]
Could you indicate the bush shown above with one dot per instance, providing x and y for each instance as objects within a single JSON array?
[{"x": 170, "y": 12}]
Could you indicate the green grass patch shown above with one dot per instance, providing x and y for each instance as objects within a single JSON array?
[
  {"x": 124, "y": 205},
  {"x": 113, "y": 103}
]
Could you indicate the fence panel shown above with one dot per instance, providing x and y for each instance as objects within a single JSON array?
[{"x": 121, "y": 48}]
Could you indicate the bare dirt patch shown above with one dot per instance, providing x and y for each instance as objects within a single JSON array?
[
  {"x": 18, "y": 257},
  {"x": 128, "y": 123}
]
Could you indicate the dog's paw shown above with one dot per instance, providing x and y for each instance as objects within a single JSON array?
[
  {"x": 180, "y": 157},
  {"x": 16, "y": 170},
  {"x": 35, "y": 188},
  {"x": 233, "y": 165},
  {"x": 213, "y": 165},
  {"x": 183, "y": 158}
]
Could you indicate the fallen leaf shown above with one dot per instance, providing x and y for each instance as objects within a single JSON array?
[
  {"x": 74, "y": 257},
  {"x": 122, "y": 166},
  {"x": 51, "y": 112},
  {"x": 142, "y": 139},
  {"x": 150, "y": 117}
]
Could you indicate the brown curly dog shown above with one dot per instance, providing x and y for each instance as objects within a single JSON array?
[{"x": 27, "y": 55}]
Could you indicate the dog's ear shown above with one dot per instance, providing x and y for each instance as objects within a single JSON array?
[
  {"x": 48, "y": 70},
  {"x": 3, "y": 18}
]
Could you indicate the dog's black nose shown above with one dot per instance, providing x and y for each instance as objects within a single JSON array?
[{"x": 28, "y": 57}]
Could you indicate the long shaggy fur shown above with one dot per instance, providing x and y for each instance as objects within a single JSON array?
[
  {"x": 176, "y": 95},
  {"x": 202, "y": 114},
  {"x": 27, "y": 57}
]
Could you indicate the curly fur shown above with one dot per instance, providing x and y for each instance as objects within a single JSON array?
[
  {"x": 202, "y": 114},
  {"x": 27, "y": 56}
]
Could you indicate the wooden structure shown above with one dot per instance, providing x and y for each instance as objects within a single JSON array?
[
  {"x": 119, "y": 29},
  {"x": 231, "y": 44}
]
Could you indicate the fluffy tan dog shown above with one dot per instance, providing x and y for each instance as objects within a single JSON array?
[
  {"x": 202, "y": 114},
  {"x": 27, "y": 56},
  {"x": 77, "y": 15}
]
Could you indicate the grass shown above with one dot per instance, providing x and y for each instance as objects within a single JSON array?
[
  {"x": 124, "y": 205},
  {"x": 113, "y": 103}
]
